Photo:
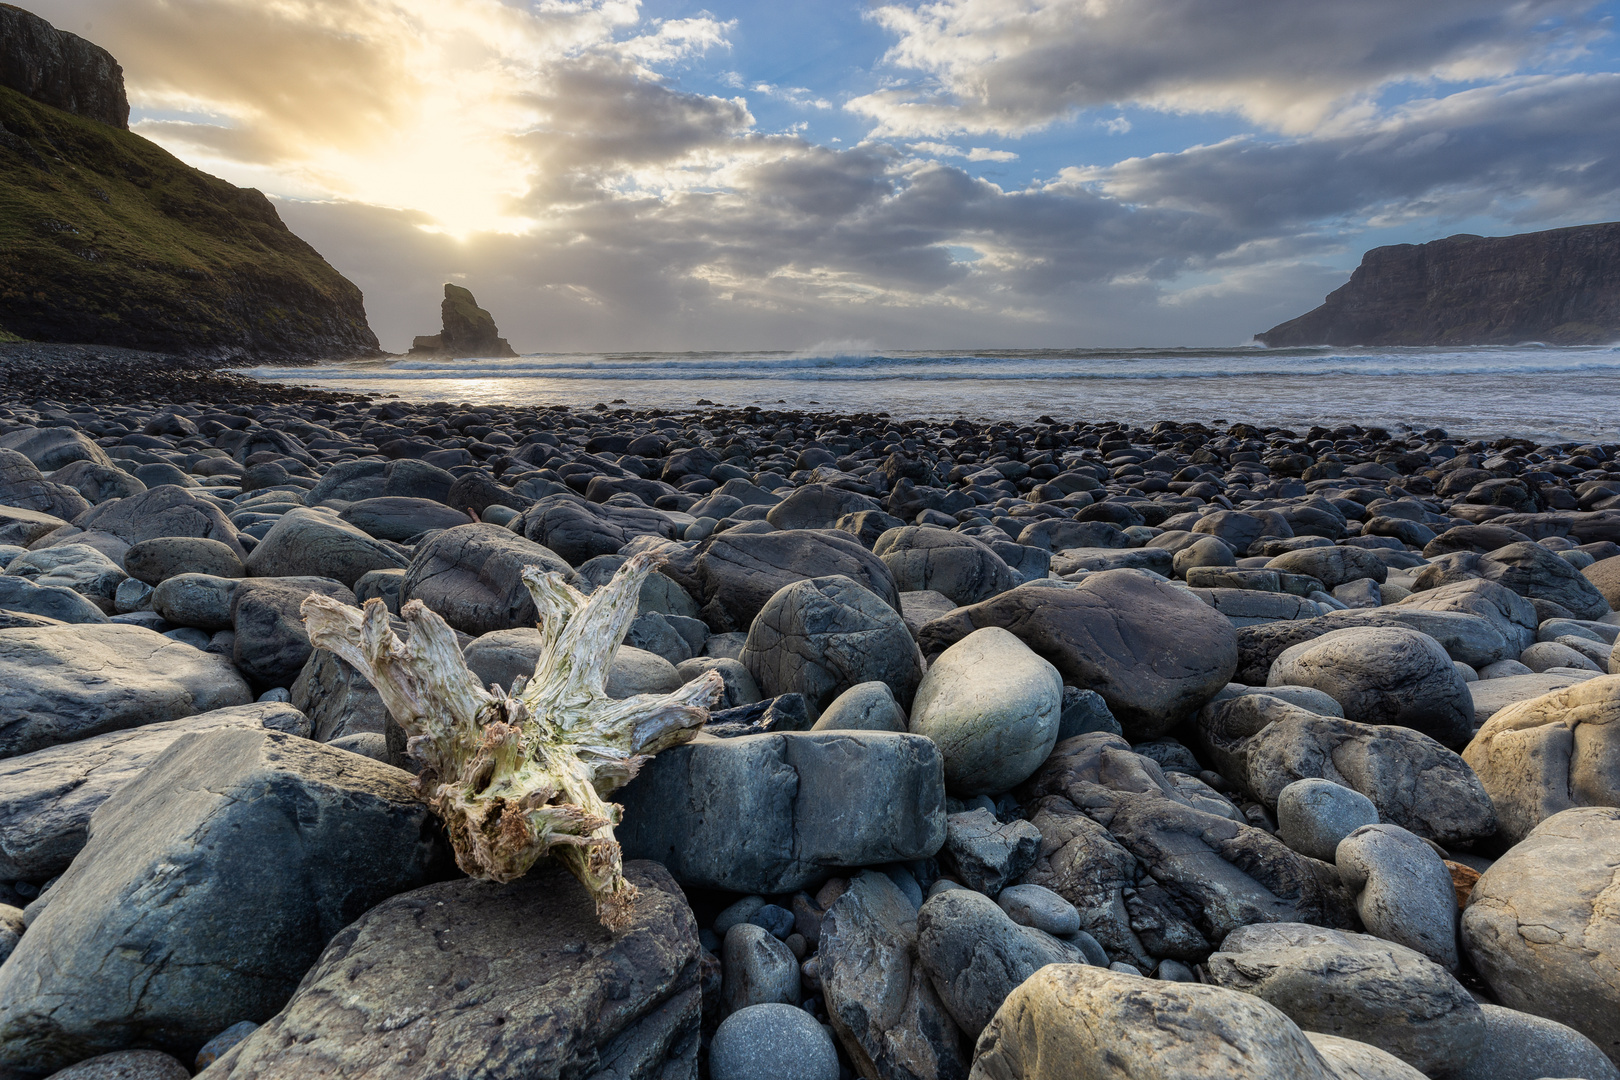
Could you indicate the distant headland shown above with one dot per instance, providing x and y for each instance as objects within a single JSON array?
[{"x": 1561, "y": 287}]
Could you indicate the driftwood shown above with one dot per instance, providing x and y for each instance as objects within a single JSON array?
[{"x": 523, "y": 773}]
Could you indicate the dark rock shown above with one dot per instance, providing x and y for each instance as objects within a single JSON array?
[
  {"x": 399, "y": 518},
  {"x": 61, "y": 69},
  {"x": 579, "y": 531},
  {"x": 21, "y": 484},
  {"x": 984, "y": 854},
  {"x": 470, "y": 575},
  {"x": 18, "y": 594},
  {"x": 961, "y": 567},
  {"x": 472, "y": 978},
  {"x": 162, "y": 511},
  {"x": 469, "y": 330},
  {"x": 785, "y": 712},
  {"x": 155, "y": 561},
  {"x": 232, "y": 861},
  {"x": 315, "y": 543},
  {"x": 818, "y": 506},
  {"x": 1558, "y": 286},
  {"x": 336, "y": 698},
  {"x": 271, "y": 645}
]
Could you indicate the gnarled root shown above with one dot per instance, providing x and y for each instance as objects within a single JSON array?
[{"x": 520, "y": 774}]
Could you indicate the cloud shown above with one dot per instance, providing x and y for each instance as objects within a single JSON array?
[{"x": 1010, "y": 67}]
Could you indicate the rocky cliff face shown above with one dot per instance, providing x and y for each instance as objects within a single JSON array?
[
  {"x": 60, "y": 69},
  {"x": 1561, "y": 287},
  {"x": 107, "y": 239},
  {"x": 469, "y": 330}
]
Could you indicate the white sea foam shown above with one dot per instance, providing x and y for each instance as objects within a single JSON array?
[{"x": 1529, "y": 389}]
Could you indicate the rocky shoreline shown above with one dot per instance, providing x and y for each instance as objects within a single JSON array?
[{"x": 1047, "y": 750}]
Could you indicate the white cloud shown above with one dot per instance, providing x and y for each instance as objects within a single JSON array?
[{"x": 1014, "y": 66}]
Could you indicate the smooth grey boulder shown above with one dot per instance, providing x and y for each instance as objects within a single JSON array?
[
  {"x": 155, "y": 561},
  {"x": 381, "y": 585},
  {"x": 769, "y": 814},
  {"x": 166, "y": 510},
  {"x": 1509, "y": 614},
  {"x": 336, "y": 698},
  {"x": 1039, "y": 907},
  {"x": 1153, "y": 651},
  {"x": 975, "y": 955},
  {"x": 821, "y": 636},
  {"x": 880, "y": 1001},
  {"x": 471, "y": 978},
  {"x": 1551, "y": 753},
  {"x": 772, "y": 1042},
  {"x": 199, "y": 600},
  {"x": 18, "y": 594},
  {"x": 1205, "y": 551},
  {"x": 1314, "y": 815},
  {"x": 208, "y": 887},
  {"x": 470, "y": 575},
  {"x": 1527, "y": 568},
  {"x": 1539, "y": 926},
  {"x": 21, "y": 527},
  {"x": 1076, "y": 1022},
  {"x": 85, "y": 570},
  {"x": 1523, "y": 1046},
  {"x": 579, "y": 530},
  {"x": 963, "y": 568},
  {"x": 399, "y": 518},
  {"x": 984, "y": 853},
  {"x": 316, "y": 543},
  {"x": 355, "y": 481},
  {"x": 1404, "y": 892},
  {"x": 271, "y": 645},
  {"x": 97, "y": 483},
  {"x": 1383, "y": 675},
  {"x": 655, "y": 632},
  {"x": 21, "y": 485},
  {"x": 1332, "y": 566},
  {"x": 52, "y": 448},
  {"x": 1544, "y": 655},
  {"x": 867, "y": 706},
  {"x": 757, "y": 969},
  {"x": 500, "y": 656},
  {"x": 1085, "y": 711},
  {"x": 61, "y": 683},
  {"x": 1264, "y": 745},
  {"x": 992, "y": 705},
  {"x": 818, "y": 506},
  {"x": 1355, "y": 986},
  {"x": 47, "y": 796},
  {"x": 1352, "y": 1060},
  {"x": 740, "y": 687},
  {"x": 732, "y": 575}
]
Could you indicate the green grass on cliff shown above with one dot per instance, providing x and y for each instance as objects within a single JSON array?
[{"x": 106, "y": 238}]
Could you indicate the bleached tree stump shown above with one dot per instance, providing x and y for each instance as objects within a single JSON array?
[{"x": 523, "y": 773}]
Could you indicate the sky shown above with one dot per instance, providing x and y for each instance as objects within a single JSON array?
[{"x": 608, "y": 175}]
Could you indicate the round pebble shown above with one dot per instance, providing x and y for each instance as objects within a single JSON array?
[
  {"x": 772, "y": 1042},
  {"x": 1314, "y": 815}
]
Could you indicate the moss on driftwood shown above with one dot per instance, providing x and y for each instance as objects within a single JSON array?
[{"x": 520, "y": 774}]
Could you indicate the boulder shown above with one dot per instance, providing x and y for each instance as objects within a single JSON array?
[
  {"x": 1332, "y": 566},
  {"x": 1403, "y": 890},
  {"x": 1383, "y": 675},
  {"x": 1314, "y": 815},
  {"x": 61, "y": 683},
  {"x": 1510, "y": 614},
  {"x": 821, "y": 636},
  {"x": 1264, "y": 745},
  {"x": 818, "y": 506},
  {"x": 47, "y": 796},
  {"x": 1539, "y": 926},
  {"x": 771, "y": 813},
  {"x": 1355, "y": 986},
  {"x": 992, "y": 706},
  {"x": 79, "y": 567},
  {"x": 975, "y": 955},
  {"x": 499, "y": 657},
  {"x": 1353, "y": 1060},
  {"x": 757, "y": 969},
  {"x": 1076, "y": 1022},
  {"x": 199, "y": 600},
  {"x": 207, "y": 888},
  {"x": 880, "y": 1001},
  {"x": 779, "y": 1041},
  {"x": 21, "y": 527},
  {"x": 577, "y": 530},
  {"x": 315, "y": 543},
  {"x": 984, "y": 853},
  {"x": 271, "y": 645},
  {"x": 167, "y": 510},
  {"x": 98, "y": 483},
  {"x": 961, "y": 567},
  {"x": 54, "y": 447},
  {"x": 1604, "y": 574},
  {"x": 470, "y": 575},
  {"x": 1549, "y": 754},
  {"x": 155, "y": 561},
  {"x": 1154, "y": 653},
  {"x": 336, "y": 698},
  {"x": 739, "y": 686},
  {"x": 57, "y": 602},
  {"x": 21, "y": 485},
  {"x": 1528, "y": 569},
  {"x": 399, "y": 518},
  {"x": 867, "y": 706},
  {"x": 1523, "y": 1046},
  {"x": 472, "y": 978},
  {"x": 732, "y": 575}
]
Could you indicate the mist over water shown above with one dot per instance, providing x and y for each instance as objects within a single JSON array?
[{"x": 1529, "y": 390}]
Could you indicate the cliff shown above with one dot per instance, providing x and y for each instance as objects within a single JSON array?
[
  {"x": 107, "y": 239},
  {"x": 469, "y": 330},
  {"x": 1561, "y": 287},
  {"x": 60, "y": 69}
]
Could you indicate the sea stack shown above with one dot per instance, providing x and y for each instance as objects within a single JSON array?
[
  {"x": 469, "y": 330},
  {"x": 1561, "y": 287}
]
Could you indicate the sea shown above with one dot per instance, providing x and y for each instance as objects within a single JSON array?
[{"x": 1533, "y": 391}]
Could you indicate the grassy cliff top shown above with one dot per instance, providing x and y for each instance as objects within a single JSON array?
[{"x": 107, "y": 238}]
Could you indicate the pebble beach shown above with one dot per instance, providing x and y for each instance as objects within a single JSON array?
[{"x": 1048, "y": 747}]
